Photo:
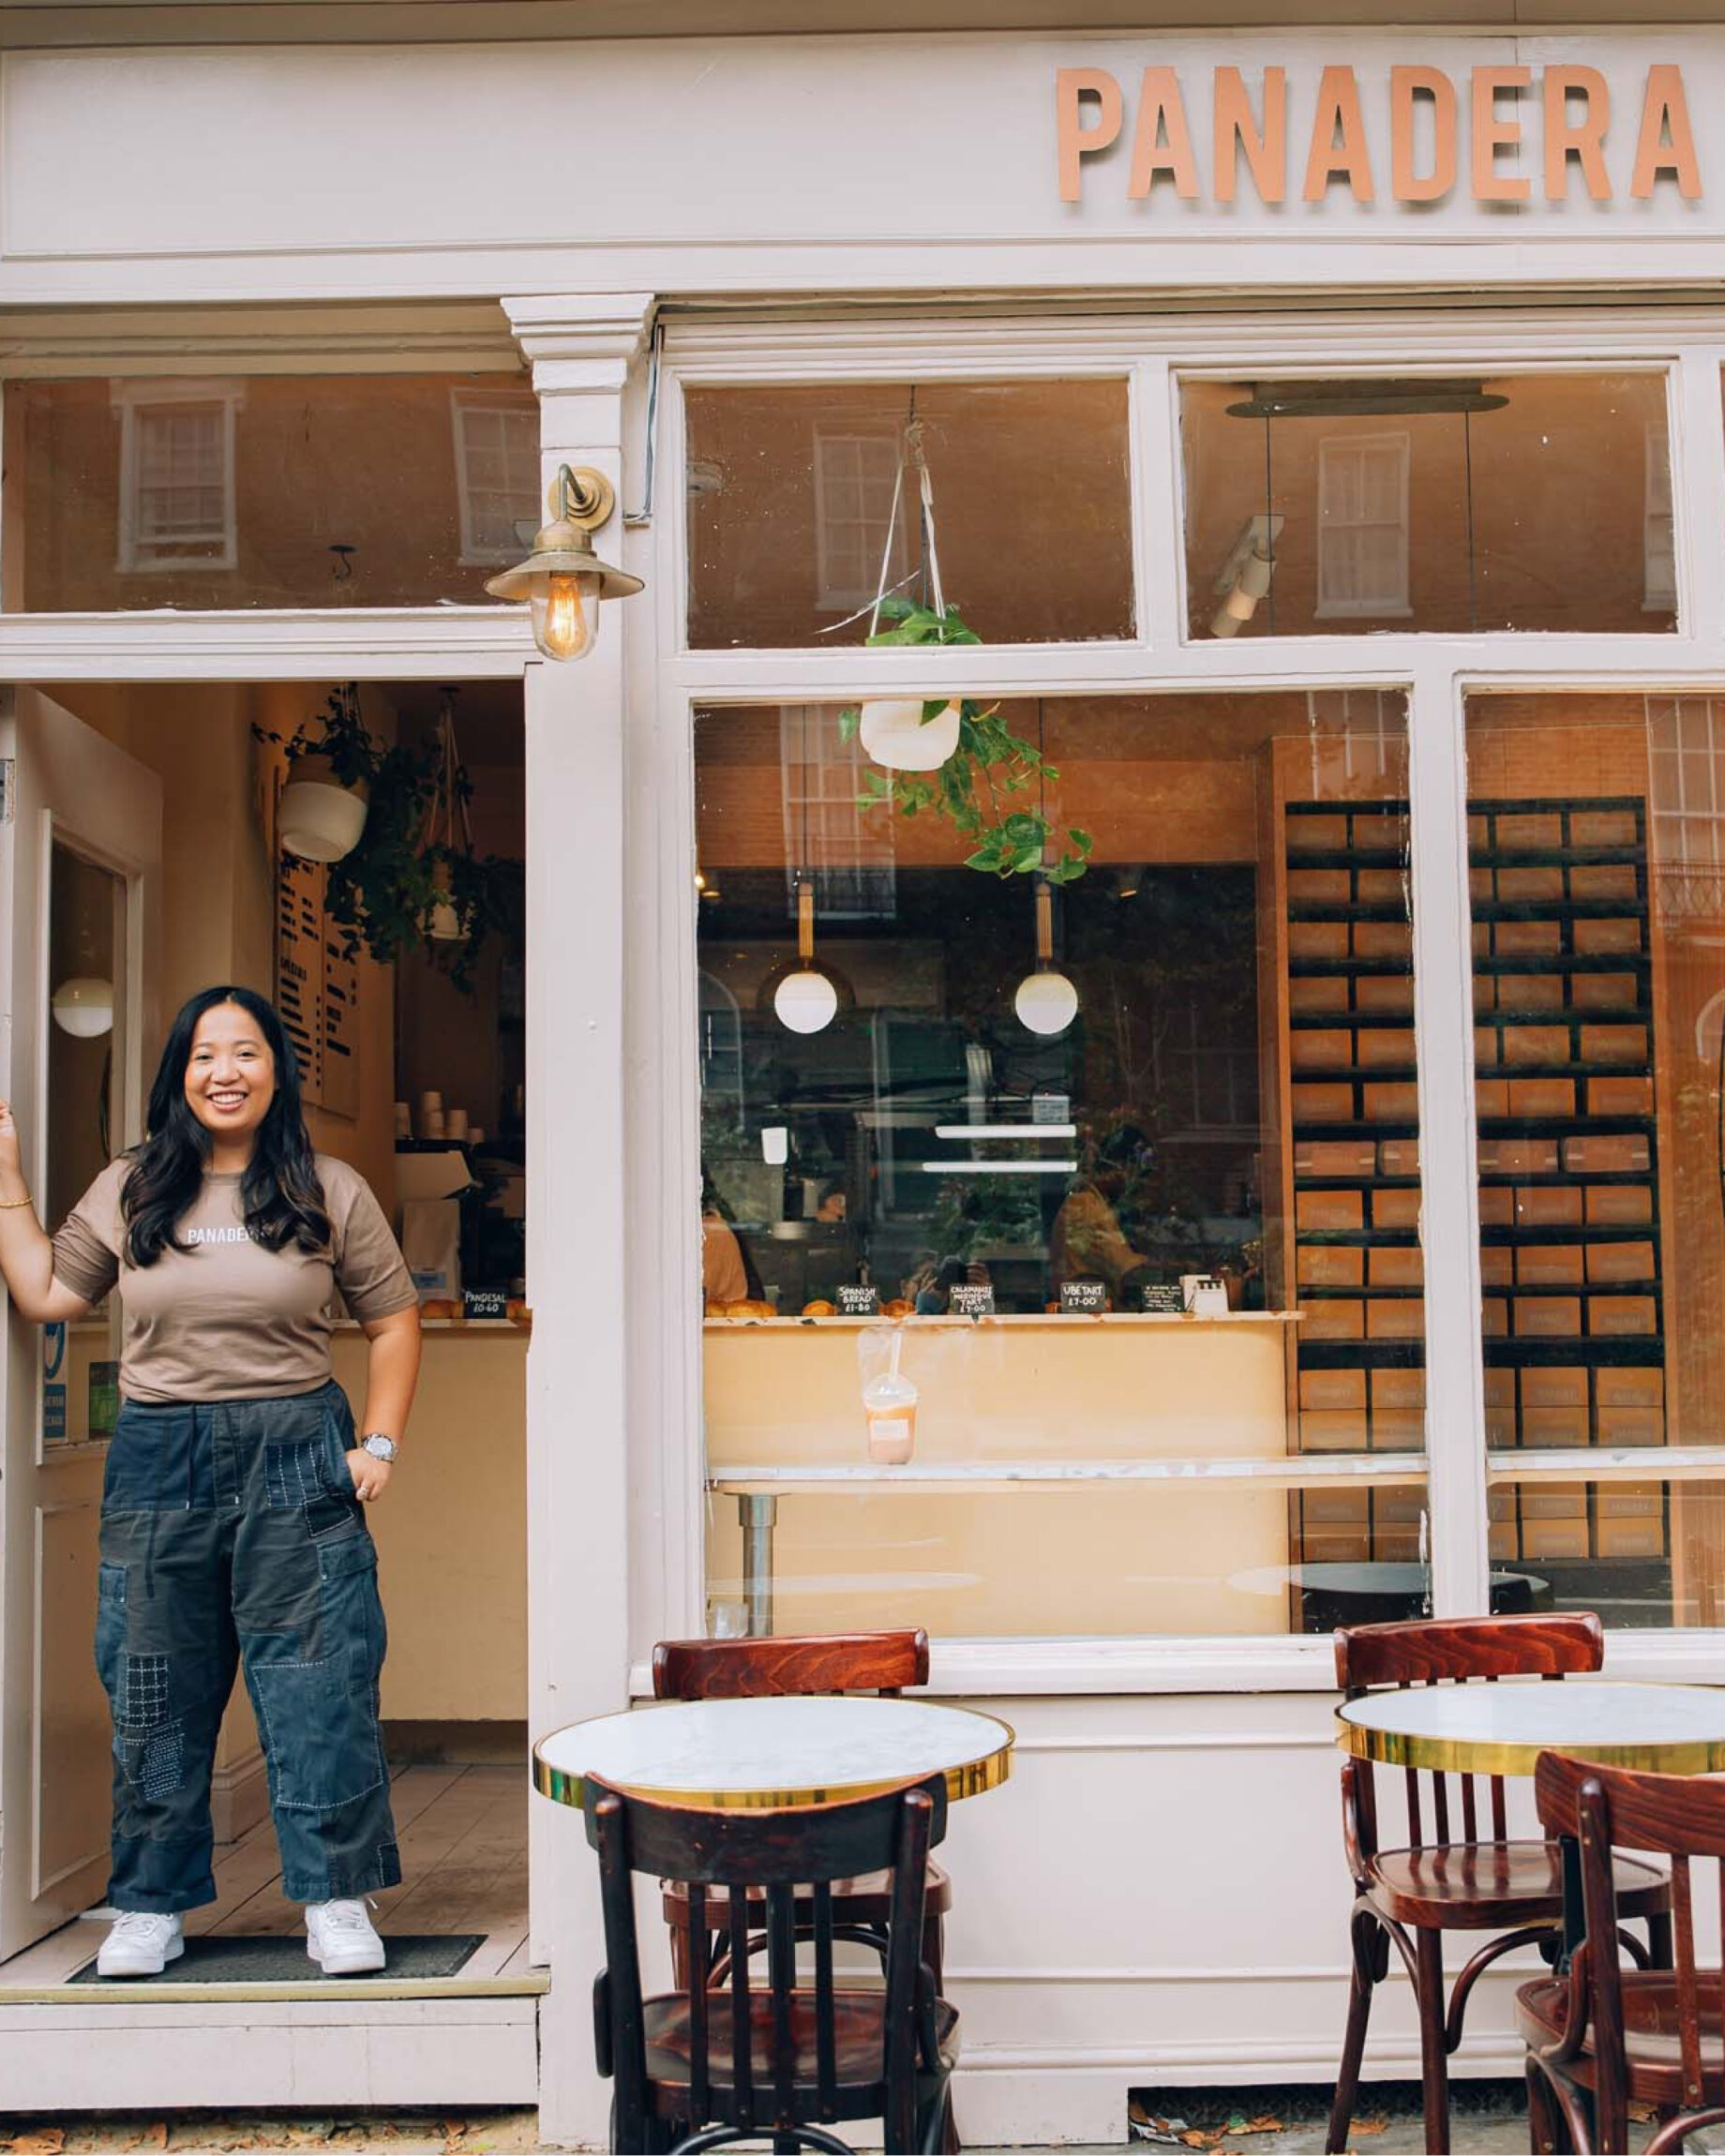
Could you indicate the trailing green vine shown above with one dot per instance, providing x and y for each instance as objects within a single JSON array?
[{"x": 991, "y": 764}]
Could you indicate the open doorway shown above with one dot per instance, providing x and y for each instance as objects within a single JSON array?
[{"x": 408, "y": 1023}]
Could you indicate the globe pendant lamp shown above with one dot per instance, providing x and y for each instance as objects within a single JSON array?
[
  {"x": 894, "y": 733},
  {"x": 805, "y": 999},
  {"x": 562, "y": 580},
  {"x": 1046, "y": 1001},
  {"x": 84, "y": 1006}
]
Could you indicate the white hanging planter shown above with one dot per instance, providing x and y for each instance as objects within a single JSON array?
[
  {"x": 893, "y": 732},
  {"x": 319, "y": 818},
  {"x": 443, "y": 924}
]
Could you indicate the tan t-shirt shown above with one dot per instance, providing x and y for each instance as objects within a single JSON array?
[{"x": 227, "y": 1319}]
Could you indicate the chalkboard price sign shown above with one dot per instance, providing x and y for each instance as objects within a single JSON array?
[
  {"x": 484, "y": 1303},
  {"x": 858, "y": 1302},
  {"x": 1085, "y": 1296},
  {"x": 971, "y": 1302},
  {"x": 1162, "y": 1301}
]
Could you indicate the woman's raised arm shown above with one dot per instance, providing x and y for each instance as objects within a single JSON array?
[{"x": 26, "y": 1253}]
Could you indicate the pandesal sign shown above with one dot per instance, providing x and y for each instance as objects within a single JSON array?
[{"x": 1502, "y": 133}]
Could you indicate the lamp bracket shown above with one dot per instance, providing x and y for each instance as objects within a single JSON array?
[{"x": 580, "y": 495}]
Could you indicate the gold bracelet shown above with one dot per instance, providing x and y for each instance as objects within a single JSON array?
[{"x": 11, "y": 1205}]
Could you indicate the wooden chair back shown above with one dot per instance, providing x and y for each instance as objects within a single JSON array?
[
  {"x": 789, "y": 1856},
  {"x": 1681, "y": 1817},
  {"x": 879, "y": 1662},
  {"x": 1442, "y": 1651}
]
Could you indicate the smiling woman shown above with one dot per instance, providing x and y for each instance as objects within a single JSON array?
[{"x": 235, "y": 1481}]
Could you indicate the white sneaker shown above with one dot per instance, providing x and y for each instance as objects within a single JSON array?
[
  {"x": 140, "y": 1943},
  {"x": 341, "y": 1938}
]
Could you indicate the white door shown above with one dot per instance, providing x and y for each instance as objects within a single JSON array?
[{"x": 80, "y": 872}]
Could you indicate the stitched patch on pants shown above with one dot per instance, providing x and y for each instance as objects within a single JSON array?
[
  {"x": 161, "y": 1765},
  {"x": 291, "y": 1475},
  {"x": 144, "y": 1696}
]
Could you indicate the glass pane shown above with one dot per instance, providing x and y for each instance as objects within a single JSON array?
[
  {"x": 1012, "y": 1133},
  {"x": 1598, "y": 904},
  {"x": 1643, "y": 1555},
  {"x": 86, "y": 1034},
  {"x": 1518, "y": 502},
  {"x": 800, "y": 497},
  {"x": 267, "y": 490}
]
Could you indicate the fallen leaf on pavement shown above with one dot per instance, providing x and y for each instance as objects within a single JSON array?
[{"x": 48, "y": 2142}]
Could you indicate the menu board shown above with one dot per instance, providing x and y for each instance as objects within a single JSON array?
[{"x": 317, "y": 989}]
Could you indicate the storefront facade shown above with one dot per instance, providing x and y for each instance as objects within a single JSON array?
[{"x": 1326, "y": 442}]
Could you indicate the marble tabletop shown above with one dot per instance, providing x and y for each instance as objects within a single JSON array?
[
  {"x": 1502, "y": 1729},
  {"x": 756, "y": 1754}
]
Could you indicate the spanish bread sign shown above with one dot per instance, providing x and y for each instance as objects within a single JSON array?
[{"x": 1401, "y": 134}]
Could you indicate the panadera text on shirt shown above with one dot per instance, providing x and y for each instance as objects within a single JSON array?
[{"x": 217, "y": 1235}]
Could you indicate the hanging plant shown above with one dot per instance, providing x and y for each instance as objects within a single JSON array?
[
  {"x": 974, "y": 789},
  {"x": 384, "y": 893}
]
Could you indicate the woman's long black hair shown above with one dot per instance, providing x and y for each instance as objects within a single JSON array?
[{"x": 280, "y": 1195}]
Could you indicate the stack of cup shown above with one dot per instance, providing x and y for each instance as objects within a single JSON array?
[
  {"x": 430, "y": 1114},
  {"x": 455, "y": 1123},
  {"x": 404, "y": 1121}
]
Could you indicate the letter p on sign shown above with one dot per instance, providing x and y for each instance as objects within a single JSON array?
[{"x": 1072, "y": 86}]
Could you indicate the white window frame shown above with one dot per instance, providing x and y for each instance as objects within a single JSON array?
[
  {"x": 1331, "y": 607},
  {"x": 136, "y": 401},
  {"x": 835, "y": 594},
  {"x": 466, "y": 405},
  {"x": 1658, "y": 550}
]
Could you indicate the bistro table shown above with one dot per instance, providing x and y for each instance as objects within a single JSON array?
[
  {"x": 1502, "y": 1729},
  {"x": 745, "y": 1755}
]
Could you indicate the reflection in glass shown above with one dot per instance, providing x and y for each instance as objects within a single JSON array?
[
  {"x": 1598, "y": 904},
  {"x": 85, "y": 1035},
  {"x": 267, "y": 490},
  {"x": 1518, "y": 502},
  {"x": 1224, "y": 1122},
  {"x": 803, "y": 501}
]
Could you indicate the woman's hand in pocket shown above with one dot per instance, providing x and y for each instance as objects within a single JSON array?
[{"x": 370, "y": 1476}]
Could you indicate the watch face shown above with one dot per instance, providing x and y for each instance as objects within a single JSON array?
[{"x": 379, "y": 1447}]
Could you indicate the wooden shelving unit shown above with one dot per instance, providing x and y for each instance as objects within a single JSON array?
[{"x": 1568, "y": 1143}]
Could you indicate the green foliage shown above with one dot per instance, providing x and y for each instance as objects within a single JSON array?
[
  {"x": 975, "y": 788},
  {"x": 382, "y": 894}
]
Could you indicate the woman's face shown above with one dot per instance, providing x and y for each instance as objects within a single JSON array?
[{"x": 230, "y": 1074}]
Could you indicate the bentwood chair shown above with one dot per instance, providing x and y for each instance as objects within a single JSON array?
[
  {"x": 721, "y": 2060},
  {"x": 1601, "y": 2037},
  {"x": 883, "y": 1663},
  {"x": 1467, "y": 1876}
]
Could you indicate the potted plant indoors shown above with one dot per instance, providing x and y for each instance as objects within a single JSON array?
[{"x": 328, "y": 787}]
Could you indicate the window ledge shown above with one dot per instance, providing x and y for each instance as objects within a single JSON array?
[{"x": 1340, "y": 610}]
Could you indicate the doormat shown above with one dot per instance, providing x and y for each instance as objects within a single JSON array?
[{"x": 282, "y": 1958}]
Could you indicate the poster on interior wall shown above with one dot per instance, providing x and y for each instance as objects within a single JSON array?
[
  {"x": 301, "y": 938},
  {"x": 339, "y": 1072}
]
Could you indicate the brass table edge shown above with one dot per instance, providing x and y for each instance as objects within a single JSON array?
[
  {"x": 970, "y": 1778},
  {"x": 1474, "y": 1755}
]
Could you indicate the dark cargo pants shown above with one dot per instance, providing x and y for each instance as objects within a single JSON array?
[{"x": 231, "y": 1533}]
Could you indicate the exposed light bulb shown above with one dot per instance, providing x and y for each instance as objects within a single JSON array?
[
  {"x": 805, "y": 1001},
  {"x": 1045, "y": 1002},
  {"x": 566, "y": 616}
]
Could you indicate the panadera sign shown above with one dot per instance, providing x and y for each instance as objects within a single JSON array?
[{"x": 1503, "y": 134}]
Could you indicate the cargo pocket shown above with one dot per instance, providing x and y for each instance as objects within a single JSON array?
[{"x": 318, "y": 1718}]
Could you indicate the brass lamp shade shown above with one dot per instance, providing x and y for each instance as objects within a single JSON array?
[
  {"x": 563, "y": 549},
  {"x": 562, "y": 580}
]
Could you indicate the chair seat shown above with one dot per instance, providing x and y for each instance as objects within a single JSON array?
[
  {"x": 1652, "y": 2048},
  {"x": 859, "y": 2035},
  {"x": 866, "y": 1899},
  {"x": 1492, "y": 1886}
]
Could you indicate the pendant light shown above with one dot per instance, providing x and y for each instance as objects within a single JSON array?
[
  {"x": 805, "y": 997},
  {"x": 449, "y": 828},
  {"x": 562, "y": 580},
  {"x": 892, "y": 730},
  {"x": 84, "y": 1006},
  {"x": 1046, "y": 1001}
]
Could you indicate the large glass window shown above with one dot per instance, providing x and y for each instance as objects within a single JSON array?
[
  {"x": 1598, "y": 911},
  {"x": 1510, "y": 501},
  {"x": 1011, "y": 501},
  {"x": 265, "y": 490},
  {"x": 1061, "y": 1231}
]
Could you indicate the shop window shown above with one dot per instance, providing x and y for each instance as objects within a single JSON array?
[
  {"x": 791, "y": 492},
  {"x": 1362, "y": 525},
  {"x": 858, "y": 487},
  {"x": 1012, "y": 1134},
  {"x": 176, "y": 477},
  {"x": 1518, "y": 502},
  {"x": 497, "y": 474},
  {"x": 1599, "y": 930},
  {"x": 274, "y": 491}
]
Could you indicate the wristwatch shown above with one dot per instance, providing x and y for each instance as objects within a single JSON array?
[{"x": 378, "y": 1445}]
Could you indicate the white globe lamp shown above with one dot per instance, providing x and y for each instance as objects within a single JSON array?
[
  {"x": 804, "y": 1002},
  {"x": 1046, "y": 1001},
  {"x": 893, "y": 733},
  {"x": 84, "y": 1006}
]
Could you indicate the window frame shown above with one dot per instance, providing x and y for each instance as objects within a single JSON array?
[
  {"x": 137, "y": 399},
  {"x": 465, "y": 404},
  {"x": 1436, "y": 671},
  {"x": 1334, "y": 609}
]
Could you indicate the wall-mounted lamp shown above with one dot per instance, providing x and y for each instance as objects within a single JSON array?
[
  {"x": 562, "y": 580},
  {"x": 1245, "y": 576}
]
